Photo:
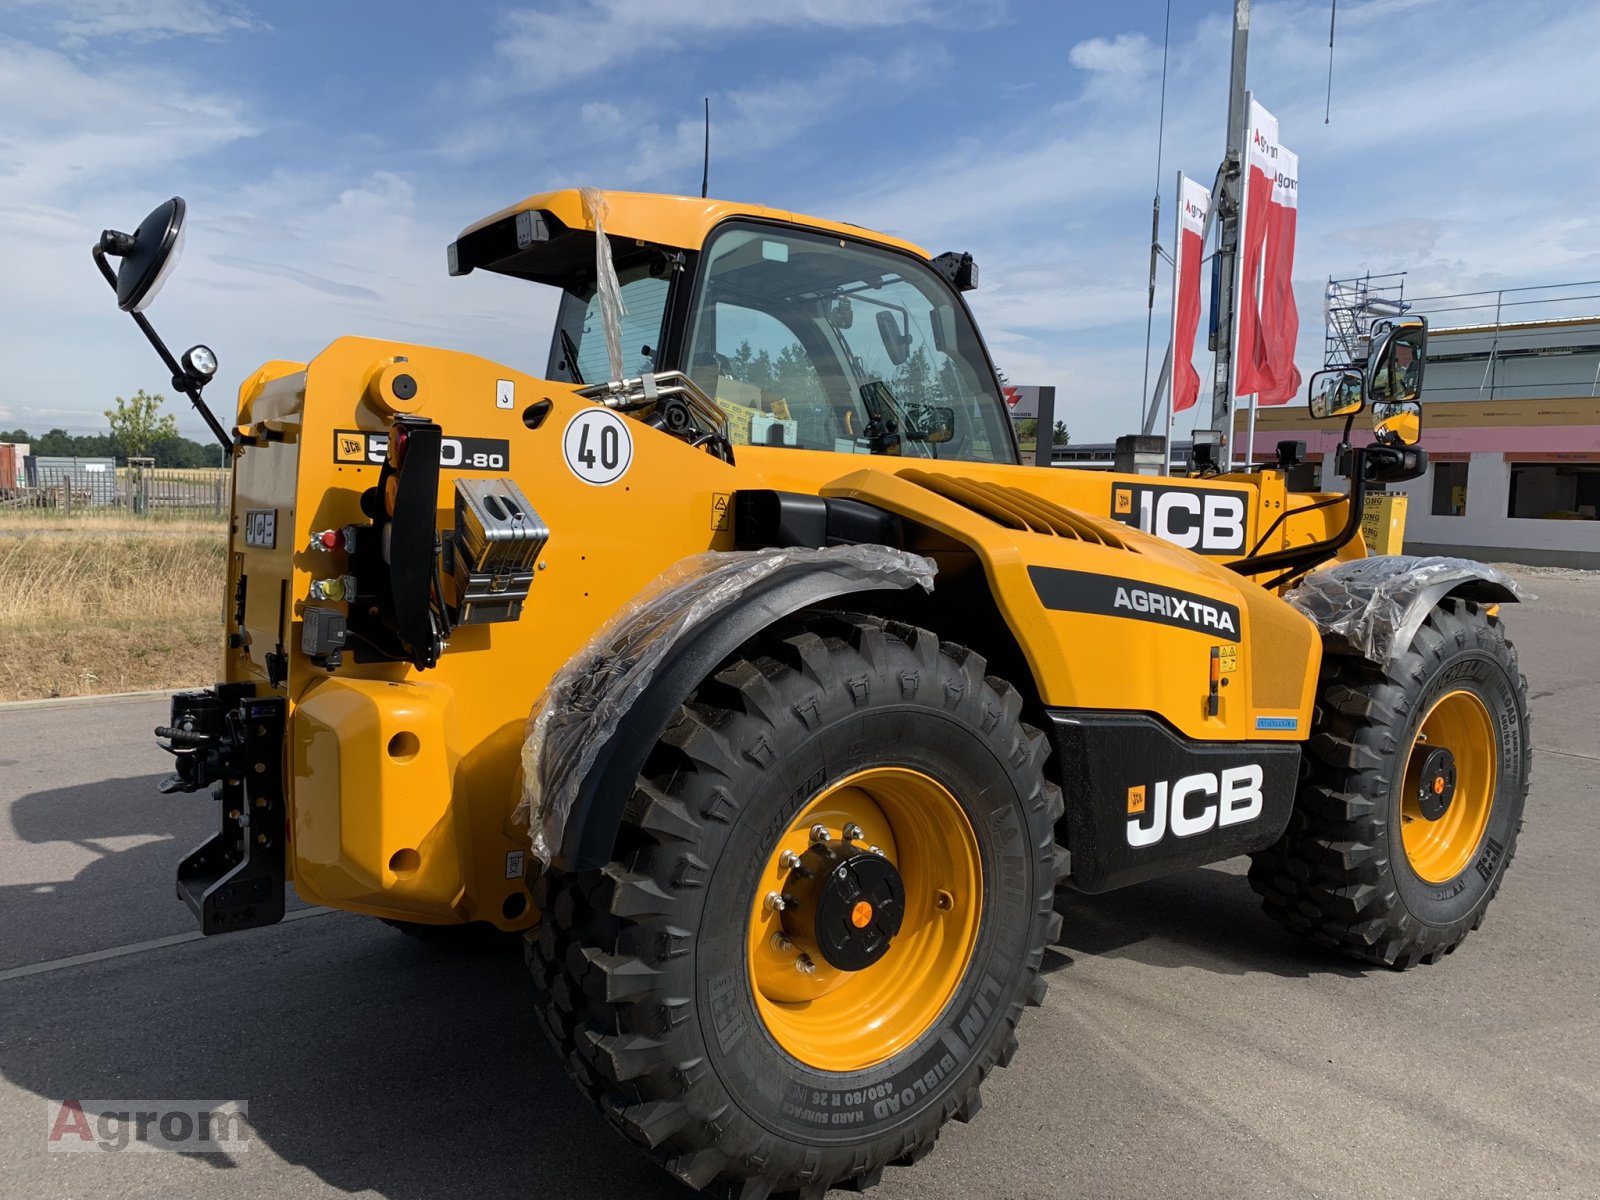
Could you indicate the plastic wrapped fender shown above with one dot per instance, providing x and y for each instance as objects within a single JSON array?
[
  {"x": 586, "y": 700},
  {"x": 1373, "y": 607}
]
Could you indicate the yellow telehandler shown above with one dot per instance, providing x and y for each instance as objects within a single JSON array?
[{"x": 736, "y": 658}]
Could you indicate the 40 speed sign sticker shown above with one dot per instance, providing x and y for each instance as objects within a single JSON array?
[{"x": 598, "y": 446}]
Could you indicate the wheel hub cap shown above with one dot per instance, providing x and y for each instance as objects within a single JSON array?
[
  {"x": 1437, "y": 786},
  {"x": 843, "y": 905}
]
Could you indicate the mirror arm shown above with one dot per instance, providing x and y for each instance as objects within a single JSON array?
[
  {"x": 180, "y": 378},
  {"x": 1306, "y": 557}
]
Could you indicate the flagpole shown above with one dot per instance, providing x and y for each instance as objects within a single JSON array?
[{"x": 1172, "y": 352}]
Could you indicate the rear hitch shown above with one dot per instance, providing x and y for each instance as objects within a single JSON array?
[{"x": 232, "y": 742}]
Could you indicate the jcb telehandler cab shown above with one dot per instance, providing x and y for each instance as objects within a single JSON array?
[{"x": 736, "y": 658}]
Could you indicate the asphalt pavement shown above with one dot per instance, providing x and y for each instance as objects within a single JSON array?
[{"x": 1187, "y": 1047}]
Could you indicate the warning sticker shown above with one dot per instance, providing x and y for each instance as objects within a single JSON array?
[
  {"x": 1229, "y": 656},
  {"x": 721, "y": 506}
]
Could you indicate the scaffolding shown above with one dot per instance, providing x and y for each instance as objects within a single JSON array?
[{"x": 1350, "y": 308}]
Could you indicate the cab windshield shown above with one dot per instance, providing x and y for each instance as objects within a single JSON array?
[{"x": 820, "y": 343}]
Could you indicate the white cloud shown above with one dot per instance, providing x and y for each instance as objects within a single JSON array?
[
  {"x": 602, "y": 117},
  {"x": 748, "y": 122},
  {"x": 1125, "y": 54},
  {"x": 78, "y": 21},
  {"x": 89, "y": 126},
  {"x": 550, "y": 46}
]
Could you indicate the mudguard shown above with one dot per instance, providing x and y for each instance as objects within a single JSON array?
[
  {"x": 594, "y": 726},
  {"x": 1373, "y": 607}
]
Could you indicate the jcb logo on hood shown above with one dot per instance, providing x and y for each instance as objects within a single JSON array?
[
  {"x": 1194, "y": 804},
  {"x": 1206, "y": 520}
]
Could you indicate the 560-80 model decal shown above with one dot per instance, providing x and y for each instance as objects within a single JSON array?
[{"x": 455, "y": 453}]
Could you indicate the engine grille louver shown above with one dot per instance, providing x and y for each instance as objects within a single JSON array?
[{"x": 1018, "y": 509}]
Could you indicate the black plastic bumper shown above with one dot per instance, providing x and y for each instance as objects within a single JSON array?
[
  {"x": 1143, "y": 801},
  {"x": 229, "y": 740}
]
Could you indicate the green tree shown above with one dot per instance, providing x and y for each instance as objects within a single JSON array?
[
  {"x": 138, "y": 424},
  {"x": 1059, "y": 435},
  {"x": 57, "y": 443}
]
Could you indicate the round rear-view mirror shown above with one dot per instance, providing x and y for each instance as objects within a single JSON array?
[{"x": 157, "y": 246}]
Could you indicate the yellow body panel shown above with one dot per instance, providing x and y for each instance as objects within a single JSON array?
[
  {"x": 679, "y": 221},
  {"x": 358, "y": 812}
]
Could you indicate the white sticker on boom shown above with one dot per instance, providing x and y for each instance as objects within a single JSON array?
[
  {"x": 505, "y": 393},
  {"x": 598, "y": 446},
  {"x": 516, "y": 865}
]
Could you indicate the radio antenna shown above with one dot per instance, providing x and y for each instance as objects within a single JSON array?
[
  {"x": 705, "y": 168},
  {"x": 1333, "y": 15}
]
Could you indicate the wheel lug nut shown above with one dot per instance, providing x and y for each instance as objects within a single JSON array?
[
  {"x": 852, "y": 832},
  {"x": 781, "y": 944},
  {"x": 874, "y": 850},
  {"x": 804, "y": 965},
  {"x": 776, "y": 902},
  {"x": 788, "y": 860},
  {"x": 819, "y": 833}
]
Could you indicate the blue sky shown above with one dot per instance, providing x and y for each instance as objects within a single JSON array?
[{"x": 330, "y": 151}]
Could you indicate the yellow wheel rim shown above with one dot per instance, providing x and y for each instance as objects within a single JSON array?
[
  {"x": 1440, "y": 847},
  {"x": 843, "y": 1020}
]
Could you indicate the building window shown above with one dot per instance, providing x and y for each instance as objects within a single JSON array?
[
  {"x": 1449, "y": 489},
  {"x": 1554, "y": 491}
]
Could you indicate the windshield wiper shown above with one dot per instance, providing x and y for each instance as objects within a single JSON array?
[{"x": 570, "y": 349}]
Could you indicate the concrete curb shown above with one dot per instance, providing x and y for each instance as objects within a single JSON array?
[{"x": 68, "y": 701}]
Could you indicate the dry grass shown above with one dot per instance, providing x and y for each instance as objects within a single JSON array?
[
  {"x": 108, "y": 520},
  {"x": 82, "y": 615}
]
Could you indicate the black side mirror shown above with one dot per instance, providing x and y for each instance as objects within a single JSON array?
[
  {"x": 930, "y": 422},
  {"x": 1394, "y": 381},
  {"x": 148, "y": 255},
  {"x": 896, "y": 343},
  {"x": 1336, "y": 392}
]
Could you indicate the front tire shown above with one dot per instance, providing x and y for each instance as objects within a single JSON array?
[
  {"x": 1408, "y": 813},
  {"x": 669, "y": 980}
]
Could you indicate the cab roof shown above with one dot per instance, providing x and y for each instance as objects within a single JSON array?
[{"x": 682, "y": 222}]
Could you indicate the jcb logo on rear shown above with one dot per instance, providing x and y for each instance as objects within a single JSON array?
[
  {"x": 1194, "y": 804},
  {"x": 1207, "y": 520}
]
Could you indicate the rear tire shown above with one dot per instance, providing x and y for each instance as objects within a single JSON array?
[
  {"x": 647, "y": 971},
  {"x": 1366, "y": 867}
]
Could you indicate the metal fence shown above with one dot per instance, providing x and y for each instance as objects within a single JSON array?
[
  {"x": 1541, "y": 341},
  {"x": 123, "y": 491}
]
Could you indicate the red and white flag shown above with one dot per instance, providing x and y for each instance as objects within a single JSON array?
[
  {"x": 1251, "y": 373},
  {"x": 1280, "y": 318},
  {"x": 1194, "y": 202}
]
